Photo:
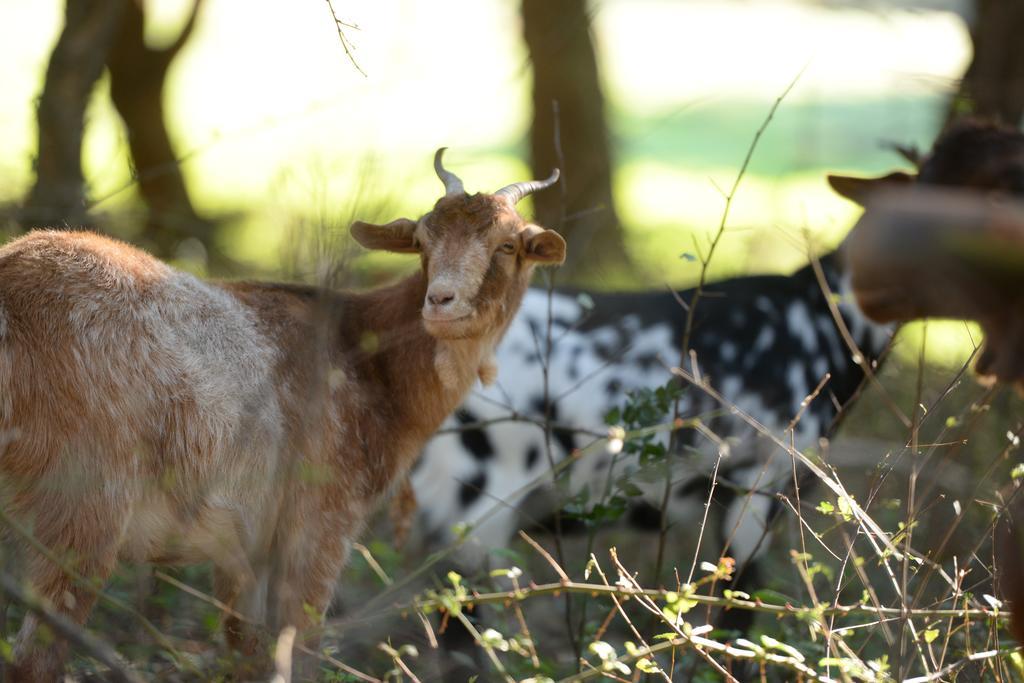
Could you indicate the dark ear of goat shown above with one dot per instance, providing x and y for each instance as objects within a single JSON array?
[{"x": 859, "y": 190}]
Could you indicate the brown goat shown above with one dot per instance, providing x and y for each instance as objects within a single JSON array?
[
  {"x": 952, "y": 246},
  {"x": 150, "y": 416},
  {"x": 949, "y": 241}
]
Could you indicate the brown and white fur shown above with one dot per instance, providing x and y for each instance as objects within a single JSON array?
[
  {"x": 948, "y": 242},
  {"x": 147, "y": 415}
]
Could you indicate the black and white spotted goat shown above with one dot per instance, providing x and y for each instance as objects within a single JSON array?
[{"x": 765, "y": 342}]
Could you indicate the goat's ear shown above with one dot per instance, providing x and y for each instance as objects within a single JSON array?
[
  {"x": 543, "y": 246},
  {"x": 859, "y": 189},
  {"x": 394, "y": 236}
]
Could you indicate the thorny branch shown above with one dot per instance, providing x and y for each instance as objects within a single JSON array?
[{"x": 754, "y": 605}]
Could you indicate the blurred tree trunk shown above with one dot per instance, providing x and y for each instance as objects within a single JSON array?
[
  {"x": 993, "y": 85},
  {"x": 98, "y": 34},
  {"x": 137, "y": 76},
  {"x": 557, "y": 34},
  {"x": 77, "y": 60}
]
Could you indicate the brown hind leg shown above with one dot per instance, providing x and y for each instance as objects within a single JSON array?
[
  {"x": 37, "y": 655},
  {"x": 83, "y": 538}
]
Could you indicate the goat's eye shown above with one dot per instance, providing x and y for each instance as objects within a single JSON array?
[{"x": 507, "y": 248}]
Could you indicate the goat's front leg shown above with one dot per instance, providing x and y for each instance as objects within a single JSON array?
[{"x": 303, "y": 585}]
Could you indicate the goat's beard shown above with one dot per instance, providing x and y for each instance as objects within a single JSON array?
[
  {"x": 468, "y": 327},
  {"x": 479, "y": 324}
]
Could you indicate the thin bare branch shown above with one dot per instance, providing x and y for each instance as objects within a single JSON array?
[{"x": 345, "y": 44}]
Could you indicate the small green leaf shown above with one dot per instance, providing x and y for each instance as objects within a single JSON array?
[
  {"x": 749, "y": 645},
  {"x": 930, "y": 635},
  {"x": 630, "y": 489},
  {"x": 993, "y": 602},
  {"x": 617, "y": 666},
  {"x": 774, "y": 644},
  {"x": 647, "y": 666},
  {"x": 1018, "y": 662},
  {"x": 494, "y": 639},
  {"x": 510, "y": 573},
  {"x": 845, "y": 508},
  {"x": 604, "y": 651}
]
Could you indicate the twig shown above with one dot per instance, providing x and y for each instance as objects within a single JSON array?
[
  {"x": 546, "y": 369},
  {"x": 372, "y": 562},
  {"x": 396, "y": 657},
  {"x": 468, "y": 625},
  {"x": 700, "y": 645},
  {"x": 531, "y": 646},
  {"x": 691, "y": 310},
  {"x": 340, "y": 26},
  {"x": 851, "y": 344},
  {"x": 546, "y": 555},
  {"x": 704, "y": 519},
  {"x": 755, "y": 605},
  {"x": 915, "y": 429},
  {"x": 621, "y": 610},
  {"x": 515, "y": 416},
  {"x": 975, "y": 657}
]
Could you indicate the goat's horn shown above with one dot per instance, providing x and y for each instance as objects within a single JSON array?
[
  {"x": 516, "y": 191},
  {"x": 452, "y": 184}
]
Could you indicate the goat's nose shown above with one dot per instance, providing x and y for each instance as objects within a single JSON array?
[{"x": 441, "y": 297}]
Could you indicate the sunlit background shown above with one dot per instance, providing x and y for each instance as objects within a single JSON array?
[
  {"x": 278, "y": 128},
  {"x": 284, "y": 138}
]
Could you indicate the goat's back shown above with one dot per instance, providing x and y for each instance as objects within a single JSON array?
[{"x": 126, "y": 379}]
